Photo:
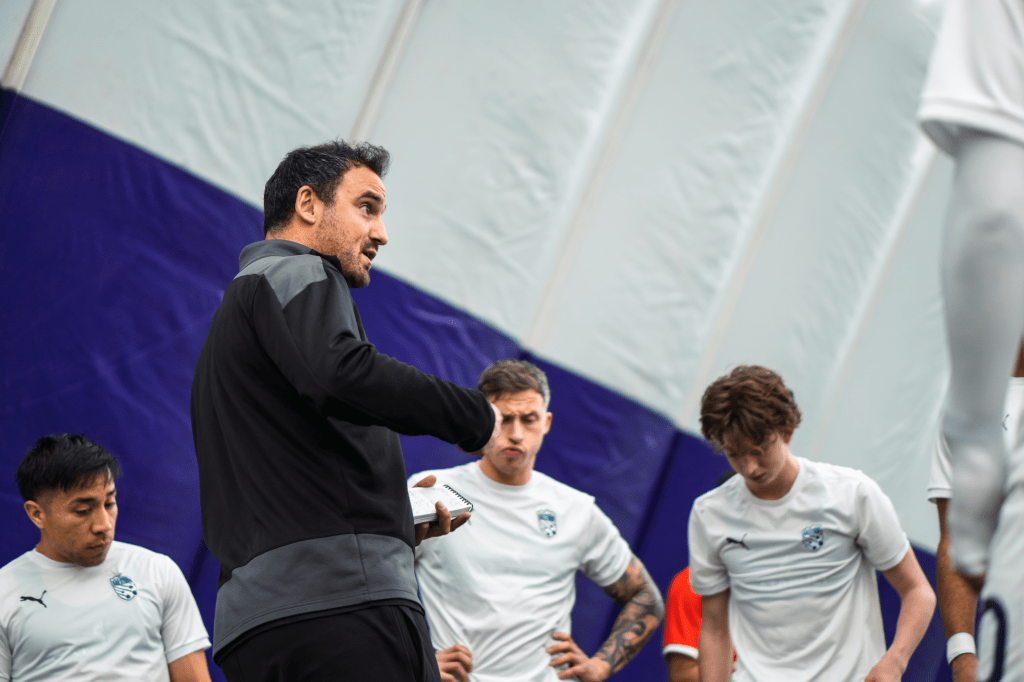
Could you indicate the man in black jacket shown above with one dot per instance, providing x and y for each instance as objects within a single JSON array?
[{"x": 295, "y": 418}]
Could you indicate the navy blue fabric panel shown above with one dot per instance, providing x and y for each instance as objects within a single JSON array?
[
  {"x": 114, "y": 262},
  {"x": 692, "y": 469}
]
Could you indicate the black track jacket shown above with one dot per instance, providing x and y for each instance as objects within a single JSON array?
[{"x": 295, "y": 417}]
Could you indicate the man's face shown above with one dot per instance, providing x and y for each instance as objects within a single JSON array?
[
  {"x": 76, "y": 526},
  {"x": 525, "y": 421},
  {"x": 352, "y": 227},
  {"x": 768, "y": 468}
]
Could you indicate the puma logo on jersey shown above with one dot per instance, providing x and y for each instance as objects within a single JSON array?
[
  {"x": 40, "y": 600},
  {"x": 739, "y": 542}
]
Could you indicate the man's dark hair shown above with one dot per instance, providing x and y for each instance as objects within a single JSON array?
[
  {"x": 322, "y": 168},
  {"x": 512, "y": 376},
  {"x": 750, "y": 401},
  {"x": 64, "y": 462}
]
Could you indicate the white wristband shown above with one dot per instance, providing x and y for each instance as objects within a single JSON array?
[{"x": 960, "y": 643}]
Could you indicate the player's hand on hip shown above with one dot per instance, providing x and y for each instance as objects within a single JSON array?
[
  {"x": 455, "y": 663},
  {"x": 444, "y": 524},
  {"x": 581, "y": 666}
]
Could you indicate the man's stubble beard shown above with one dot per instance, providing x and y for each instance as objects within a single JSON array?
[{"x": 327, "y": 242}]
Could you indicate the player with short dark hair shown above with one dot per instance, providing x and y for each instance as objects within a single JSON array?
[
  {"x": 80, "y": 605},
  {"x": 784, "y": 555},
  {"x": 499, "y": 593}
]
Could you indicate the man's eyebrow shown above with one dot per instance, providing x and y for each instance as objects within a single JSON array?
[
  {"x": 370, "y": 194},
  {"x": 87, "y": 499}
]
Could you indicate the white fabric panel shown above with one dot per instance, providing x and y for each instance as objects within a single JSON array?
[
  {"x": 493, "y": 117},
  {"x": 805, "y": 298},
  {"x": 223, "y": 88},
  {"x": 13, "y": 14},
  {"x": 883, "y": 412},
  {"x": 834, "y": 218},
  {"x": 662, "y": 237}
]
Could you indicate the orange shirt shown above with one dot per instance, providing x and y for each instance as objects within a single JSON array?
[{"x": 682, "y": 617}]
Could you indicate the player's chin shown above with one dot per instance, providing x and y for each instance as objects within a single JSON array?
[
  {"x": 94, "y": 557},
  {"x": 358, "y": 279}
]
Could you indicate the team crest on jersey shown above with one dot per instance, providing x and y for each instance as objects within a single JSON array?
[
  {"x": 813, "y": 538},
  {"x": 546, "y": 521},
  {"x": 123, "y": 587}
]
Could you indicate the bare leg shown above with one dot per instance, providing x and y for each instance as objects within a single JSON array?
[{"x": 983, "y": 288}]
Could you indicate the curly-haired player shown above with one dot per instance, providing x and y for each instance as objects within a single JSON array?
[{"x": 784, "y": 555}]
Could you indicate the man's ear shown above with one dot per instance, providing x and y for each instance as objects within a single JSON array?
[
  {"x": 547, "y": 423},
  {"x": 36, "y": 513},
  {"x": 308, "y": 207}
]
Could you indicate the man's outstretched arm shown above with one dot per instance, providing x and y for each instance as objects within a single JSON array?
[{"x": 642, "y": 610}]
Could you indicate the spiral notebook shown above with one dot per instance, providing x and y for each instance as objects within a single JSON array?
[{"x": 423, "y": 500}]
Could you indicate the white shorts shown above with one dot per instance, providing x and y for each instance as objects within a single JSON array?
[
  {"x": 1001, "y": 630},
  {"x": 976, "y": 75}
]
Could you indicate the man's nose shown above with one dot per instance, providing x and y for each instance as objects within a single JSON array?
[
  {"x": 515, "y": 432},
  {"x": 103, "y": 521},
  {"x": 379, "y": 233}
]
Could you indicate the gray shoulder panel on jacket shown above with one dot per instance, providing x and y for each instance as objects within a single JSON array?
[{"x": 288, "y": 276}]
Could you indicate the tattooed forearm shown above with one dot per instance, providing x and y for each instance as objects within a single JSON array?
[{"x": 642, "y": 610}]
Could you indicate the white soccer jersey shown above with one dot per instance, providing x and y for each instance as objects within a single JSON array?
[
  {"x": 803, "y": 600},
  {"x": 502, "y": 583},
  {"x": 976, "y": 75},
  {"x": 940, "y": 484},
  {"x": 125, "y": 619}
]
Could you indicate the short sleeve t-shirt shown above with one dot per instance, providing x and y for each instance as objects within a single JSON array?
[
  {"x": 124, "y": 619},
  {"x": 800, "y": 571},
  {"x": 682, "y": 617},
  {"x": 505, "y": 581},
  {"x": 940, "y": 482}
]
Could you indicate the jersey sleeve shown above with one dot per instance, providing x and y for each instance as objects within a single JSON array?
[
  {"x": 606, "y": 554},
  {"x": 880, "y": 538},
  {"x": 682, "y": 618},
  {"x": 940, "y": 481},
  {"x": 182, "y": 629},
  {"x": 708, "y": 574}
]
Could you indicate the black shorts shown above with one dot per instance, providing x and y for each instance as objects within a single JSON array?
[{"x": 387, "y": 642}]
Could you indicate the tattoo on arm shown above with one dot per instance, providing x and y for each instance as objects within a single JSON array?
[{"x": 642, "y": 610}]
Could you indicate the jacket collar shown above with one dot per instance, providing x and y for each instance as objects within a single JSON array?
[{"x": 279, "y": 247}]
